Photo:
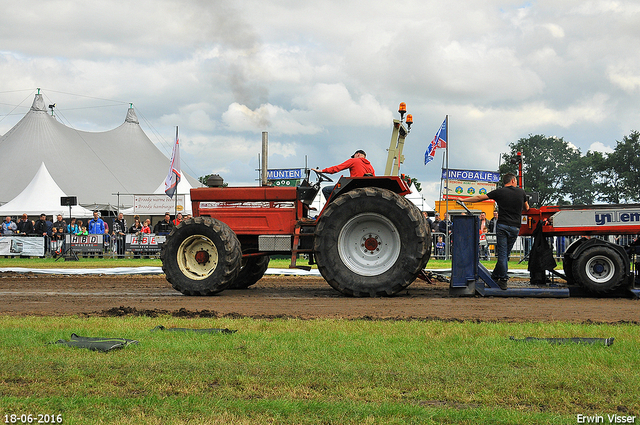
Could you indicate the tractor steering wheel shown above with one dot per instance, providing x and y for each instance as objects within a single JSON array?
[{"x": 322, "y": 177}]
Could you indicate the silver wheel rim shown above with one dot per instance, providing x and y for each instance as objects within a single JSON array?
[
  {"x": 369, "y": 244},
  {"x": 600, "y": 269},
  {"x": 197, "y": 257}
]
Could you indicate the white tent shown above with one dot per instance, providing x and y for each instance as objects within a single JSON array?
[
  {"x": 93, "y": 166},
  {"x": 42, "y": 195},
  {"x": 417, "y": 198}
]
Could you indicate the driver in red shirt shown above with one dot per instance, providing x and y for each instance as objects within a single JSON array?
[{"x": 358, "y": 165}]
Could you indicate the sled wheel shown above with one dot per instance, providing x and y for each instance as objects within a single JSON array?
[
  {"x": 371, "y": 242},
  {"x": 599, "y": 269},
  {"x": 201, "y": 256},
  {"x": 252, "y": 270}
]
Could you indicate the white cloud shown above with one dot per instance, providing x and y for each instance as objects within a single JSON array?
[
  {"x": 555, "y": 30},
  {"x": 600, "y": 147},
  {"x": 333, "y": 105},
  {"x": 533, "y": 114},
  {"x": 625, "y": 77},
  {"x": 326, "y": 77}
]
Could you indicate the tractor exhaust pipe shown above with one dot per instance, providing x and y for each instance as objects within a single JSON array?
[{"x": 265, "y": 154}]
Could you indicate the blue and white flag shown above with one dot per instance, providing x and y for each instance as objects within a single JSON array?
[
  {"x": 173, "y": 178},
  {"x": 439, "y": 141}
]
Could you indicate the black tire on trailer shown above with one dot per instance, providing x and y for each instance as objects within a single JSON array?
[
  {"x": 600, "y": 269},
  {"x": 567, "y": 267},
  {"x": 371, "y": 242},
  {"x": 567, "y": 261},
  {"x": 252, "y": 270},
  {"x": 201, "y": 256}
]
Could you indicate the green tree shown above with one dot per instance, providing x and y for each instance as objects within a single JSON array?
[
  {"x": 581, "y": 187},
  {"x": 413, "y": 180},
  {"x": 203, "y": 180},
  {"x": 545, "y": 165},
  {"x": 624, "y": 162},
  {"x": 606, "y": 180}
]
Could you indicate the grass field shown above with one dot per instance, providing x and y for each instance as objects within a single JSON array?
[
  {"x": 322, "y": 371},
  {"x": 316, "y": 372}
]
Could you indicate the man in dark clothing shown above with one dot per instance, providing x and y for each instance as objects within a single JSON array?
[
  {"x": 60, "y": 225},
  {"x": 358, "y": 165},
  {"x": 40, "y": 228},
  {"x": 435, "y": 225},
  {"x": 119, "y": 230},
  {"x": 58, "y": 240},
  {"x": 446, "y": 227},
  {"x": 163, "y": 227},
  {"x": 25, "y": 226},
  {"x": 512, "y": 201}
]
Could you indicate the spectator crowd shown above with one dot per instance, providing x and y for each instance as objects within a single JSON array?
[{"x": 114, "y": 238}]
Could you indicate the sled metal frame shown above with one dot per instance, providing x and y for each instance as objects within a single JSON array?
[{"x": 469, "y": 277}]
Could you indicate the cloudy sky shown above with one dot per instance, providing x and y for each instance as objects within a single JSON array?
[{"x": 325, "y": 78}]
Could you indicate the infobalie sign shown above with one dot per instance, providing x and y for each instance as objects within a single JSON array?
[
  {"x": 465, "y": 183},
  {"x": 471, "y": 175}
]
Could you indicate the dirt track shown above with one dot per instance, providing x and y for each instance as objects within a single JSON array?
[{"x": 287, "y": 296}]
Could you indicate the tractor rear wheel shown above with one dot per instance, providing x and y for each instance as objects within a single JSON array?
[
  {"x": 425, "y": 224},
  {"x": 371, "y": 242},
  {"x": 201, "y": 256},
  {"x": 253, "y": 268},
  {"x": 599, "y": 269}
]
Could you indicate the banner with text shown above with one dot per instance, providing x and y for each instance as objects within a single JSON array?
[
  {"x": 285, "y": 174},
  {"x": 472, "y": 175},
  {"x": 144, "y": 243},
  {"x": 465, "y": 183},
  {"x": 156, "y": 204},
  {"x": 85, "y": 243}
]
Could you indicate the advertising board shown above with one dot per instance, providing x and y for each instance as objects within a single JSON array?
[
  {"x": 156, "y": 204},
  {"x": 26, "y": 246}
]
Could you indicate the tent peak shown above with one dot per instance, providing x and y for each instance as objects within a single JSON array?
[
  {"x": 38, "y": 104},
  {"x": 131, "y": 116}
]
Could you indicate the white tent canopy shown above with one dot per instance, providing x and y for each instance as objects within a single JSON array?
[
  {"x": 42, "y": 195},
  {"x": 93, "y": 166},
  {"x": 417, "y": 198}
]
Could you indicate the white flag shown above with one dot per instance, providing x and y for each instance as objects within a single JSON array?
[{"x": 173, "y": 178}]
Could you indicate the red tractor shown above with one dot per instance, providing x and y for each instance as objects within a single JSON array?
[{"x": 367, "y": 241}]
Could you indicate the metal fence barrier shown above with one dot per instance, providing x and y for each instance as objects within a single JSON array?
[{"x": 150, "y": 245}]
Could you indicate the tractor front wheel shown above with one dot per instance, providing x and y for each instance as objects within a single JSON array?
[{"x": 201, "y": 256}]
